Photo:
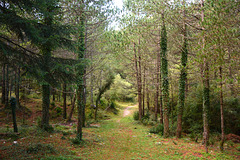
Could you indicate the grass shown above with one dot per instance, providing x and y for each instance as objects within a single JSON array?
[{"x": 116, "y": 138}]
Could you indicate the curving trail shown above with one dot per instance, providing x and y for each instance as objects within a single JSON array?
[{"x": 127, "y": 111}]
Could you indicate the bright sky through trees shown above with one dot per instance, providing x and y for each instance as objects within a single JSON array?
[{"x": 118, "y": 3}]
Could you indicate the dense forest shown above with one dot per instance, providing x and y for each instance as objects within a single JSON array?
[{"x": 86, "y": 79}]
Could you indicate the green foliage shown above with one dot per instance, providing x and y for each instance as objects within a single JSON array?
[
  {"x": 76, "y": 141},
  {"x": 192, "y": 116},
  {"x": 238, "y": 148},
  {"x": 48, "y": 128},
  {"x": 146, "y": 119},
  {"x": 136, "y": 115},
  {"x": 113, "y": 108},
  {"x": 39, "y": 147},
  {"x": 103, "y": 103},
  {"x": 121, "y": 90},
  {"x": 157, "y": 129},
  {"x": 38, "y": 121},
  {"x": 57, "y": 112}
]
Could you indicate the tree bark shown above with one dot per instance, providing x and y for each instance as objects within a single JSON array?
[
  {"x": 140, "y": 80},
  {"x": 45, "y": 106},
  {"x": 182, "y": 80},
  {"x": 72, "y": 109},
  {"x": 221, "y": 109},
  {"x": 84, "y": 98},
  {"x": 13, "y": 106},
  {"x": 80, "y": 72},
  {"x": 157, "y": 85},
  {"x": 64, "y": 101},
  {"x": 7, "y": 86},
  {"x": 161, "y": 99},
  {"x": 148, "y": 99},
  {"x": 143, "y": 94},
  {"x": 17, "y": 84},
  {"x": 3, "y": 84},
  {"x": 53, "y": 94},
  {"x": 138, "y": 83},
  {"x": 206, "y": 100},
  {"x": 165, "y": 83}
]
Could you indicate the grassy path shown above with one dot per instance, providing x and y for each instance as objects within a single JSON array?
[
  {"x": 124, "y": 138},
  {"x": 119, "y": 138}
]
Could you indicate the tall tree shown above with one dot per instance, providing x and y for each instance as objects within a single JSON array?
[
  {"x": 81, "y": 70},
  {"x": 165, "y": 83},
  {"x": 17, "y": 86},
  {"x": 3, "y": 83},
  {"x": 64, "y": 94},
  {"x": 205, "y": 81},
  {"x": 183, "y": 77}
]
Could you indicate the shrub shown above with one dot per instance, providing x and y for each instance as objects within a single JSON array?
[
  {"x": 157, "y": 129},
  {"x": 52, "y": 105},
  {"x": 39, "y": 121},
  {"x": 39, "y": 147},
  {"x": 145, "y": 119},
  {"x": 136, "y": 116},
  {"x": 113, "y": 108},
  {"x": 75, "y": 141}
]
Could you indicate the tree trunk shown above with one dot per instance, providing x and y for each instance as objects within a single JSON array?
[
  {"x": 182, "y": 80},
  {"x": 138, "y": 83},
  {"x": 148, "y": 99},
  {"x": 84, "y": 99},
  {"x": 59, "y": 96},
  {"x": 53, "y": 94},
  {"x": 64, "y": 101},
  {"x": 80, "y": 72},
  {"x": 143, "y": 95},
  {"x": 206, "y": 100},
  {"x": 222, "y": 109},
  {"x": 161, "y": 99},
  {"x": 157, "y": 85},
  {"x": 3, "y": 84},
  {"x": 7, "y": 87},
  {"x": 17, "y": 84},
  {"x": 10, "y": 85},
  {"x": 45, "y": 106},
  {"x": 165, "y": 83},
  {"x": 13, "y": 106},
  {"x": 140, "y": 80},
  {"x": 80, "y": 105},
  {"x": 72, "y": 109}
]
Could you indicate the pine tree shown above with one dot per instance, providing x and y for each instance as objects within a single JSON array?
[
  {"x": 165, "y": 83},
  {"x": 36, "y": 22},
  {"x": 183, "y": 77},
  {"x": 81, "y": 71}
]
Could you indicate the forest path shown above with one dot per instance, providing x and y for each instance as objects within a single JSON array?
[
  {"x": 127, "y": 111},
  {"x": 122, "y": 138}
]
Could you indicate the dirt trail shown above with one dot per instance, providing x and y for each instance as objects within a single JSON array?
[{"x": 127, "y": 111}]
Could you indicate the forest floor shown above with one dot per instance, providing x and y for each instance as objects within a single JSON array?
[{"x": 119, "y": 137}]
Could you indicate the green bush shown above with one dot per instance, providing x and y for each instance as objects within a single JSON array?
[
  {"x": 238, "y": 148},
  {"x": 113, "y": 108},
  {"x": 145, "y": 119},
  {"x": 39, "y": 147},
  {"x": 136, "y": 116},
  {"x": 75, "y": 141},
  {"x": 52, "y": 105},
  {"x": 157, "y": 129},
  {"x": 39, "y": 121},
  {"x": 192, "y": 116}
]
